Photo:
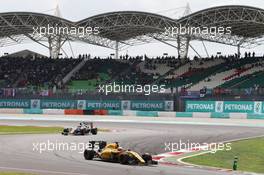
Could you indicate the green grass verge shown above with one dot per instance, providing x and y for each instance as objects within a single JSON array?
[
  {"x": 14, "y": 173},
  {"x": 104, "y": 130},
  {"x": 250, "y": 153},
  {"x": 4, "y": 130},
  {"x": 28, "y": 130}
]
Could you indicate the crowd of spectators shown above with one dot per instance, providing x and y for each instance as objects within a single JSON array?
[
  {"x": 47, "y": 72},
  {"x": 170, "y": 61},
  {"x": 94, "y": 67},
  {"x": 38, "y": 72}
]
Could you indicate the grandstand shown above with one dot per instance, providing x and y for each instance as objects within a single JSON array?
[
  {"x": 189, "y": 108},
  {"x": 191, "y": 74},
  {"x": 128, "y": 28}
]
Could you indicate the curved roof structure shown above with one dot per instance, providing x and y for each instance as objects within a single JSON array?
[
  {"x": 133, "y": 28},
  {"x": 17, "y": 27},
  {"x": 247, "y": 23}
]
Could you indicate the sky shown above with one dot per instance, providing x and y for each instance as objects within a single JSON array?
[{"x": 76, "y": 10}]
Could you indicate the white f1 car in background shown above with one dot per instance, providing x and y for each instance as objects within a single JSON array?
[{"x": 84, "y": 128}]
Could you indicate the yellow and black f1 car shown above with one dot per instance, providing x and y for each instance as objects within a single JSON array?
[{"x": 112, "y": 152}]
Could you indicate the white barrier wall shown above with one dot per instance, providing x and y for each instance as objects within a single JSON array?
[
  {"x": 145, "y": 113},
  {"x": 11, "y": 111},
  {"x": 129, "y": 113},
  {"x": 201, "y": 115},
  {"x": 53, "y": 111},
  {"x": 167, "y": 114},
  {"x": 238, "y": 115}
]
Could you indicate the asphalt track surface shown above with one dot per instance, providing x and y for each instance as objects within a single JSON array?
[{"x": 17, "y": 152}]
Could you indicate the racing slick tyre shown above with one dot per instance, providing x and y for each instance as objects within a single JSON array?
[
  {"x": 82, "y": 132},
  {"x": 65, "y": 131},
  {"x": 154, "y": 162},
  {"x": 102, "y": 144},
  {"x": 89, "y": 154},
  {"x": 85, "y": 131},
  {"x": 123, "y": 159},
  {"x": 94, "y": 131},
  {"x": 147, "y": 158}
]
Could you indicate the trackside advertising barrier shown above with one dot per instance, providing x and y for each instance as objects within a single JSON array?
[
  {"x": 152, "y": 105},
  {"x": 87, "y": 104},
  {"x": 250, "y": 107},
  {"x": 12, "y": 103},
  {"x": 107, "y": 104},
  {"x": 58, "y": 104}
]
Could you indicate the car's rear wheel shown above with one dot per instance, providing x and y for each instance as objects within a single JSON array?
[
  {"x": 89, "y": 154},
  {"x": 94, "y": 131},
  {"x": 82, "y": 132}
]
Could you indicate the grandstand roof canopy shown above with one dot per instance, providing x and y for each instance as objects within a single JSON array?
[{"x": 133, "y": 28}]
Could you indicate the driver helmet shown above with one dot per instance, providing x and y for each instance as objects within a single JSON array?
[{"x": 120, "y": 149}]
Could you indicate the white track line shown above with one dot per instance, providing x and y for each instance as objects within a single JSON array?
[
  {"x": 40, "y": 171},
  {"x": 76, "y": 119}
]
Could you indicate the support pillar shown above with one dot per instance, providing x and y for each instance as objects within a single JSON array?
[
  {"x": 183, "y": 46},
  {"x": 116, "y": 50},
  {"x": 238, "y": 51},
  {"x": 55, "y": 44}
]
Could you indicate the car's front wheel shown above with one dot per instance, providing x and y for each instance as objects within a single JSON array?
[
  {"x": 147, "y": 158},
  {"x": 94, "y": 131},
  {"x": 89, "y": 154},
  {"x": 123, "y": 159}
]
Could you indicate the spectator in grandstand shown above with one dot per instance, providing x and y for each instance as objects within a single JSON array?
[{"x": 39, "y": 72}]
